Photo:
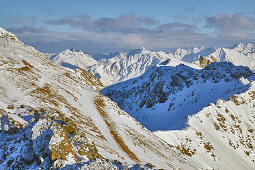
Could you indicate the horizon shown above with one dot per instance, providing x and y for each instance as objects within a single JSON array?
[
  {"x": 113, "y": 26},
  {"x": 151, "y": 50}
]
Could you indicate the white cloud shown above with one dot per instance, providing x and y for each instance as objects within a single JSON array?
[{"x": 129, "y": 31}]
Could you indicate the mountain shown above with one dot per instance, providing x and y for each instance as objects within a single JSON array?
[
  {"x": 239, "y": 54},
  {"x": 164, "y": 96},
  {"x": 121, "y": 66},
  {"x": 220, "y": 135},
  {"x": 178, "y": 104},
  {"x": 129, "y": 65},
  {"x": 73, "y": 58},
  {"x": 53, "y": 117}
]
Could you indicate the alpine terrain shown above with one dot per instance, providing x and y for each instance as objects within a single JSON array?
[
  {"x": 137, "y": 109},
  {"x": 52, "y": 117},
  {"x": 121, "y": 66},
  {"x": 177, "y": 104}
]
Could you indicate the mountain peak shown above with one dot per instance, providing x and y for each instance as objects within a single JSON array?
[
  {"x": 143, "y": 49},
  {"x": 138, "y": 51},
  {"x": 74, "y": 50},
  {"x": 244, "y": 47},
  {"x": 238, "y": 45},
  {"x": 7, "y": 34}
]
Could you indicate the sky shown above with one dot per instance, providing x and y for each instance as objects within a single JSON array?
[{"x": 103, "y": 26}]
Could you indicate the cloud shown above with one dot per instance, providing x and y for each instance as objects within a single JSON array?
[
  {"x": 189, "y": 9},
  {"x": 21, "y": 20},
  {"x": 162, "y": 37},
  {"x": 124, "y": 23},
  {"x": 82, "y": 21},
  {"x": 177, "y": 27},
  {"x": 130, "y": 31},
  {"x": 27, "y": 29},
  {"x": 232, "y": 25},
  {"x": 181, "y": 17}
]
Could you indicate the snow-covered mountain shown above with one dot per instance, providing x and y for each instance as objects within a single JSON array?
[
  {"x": 164, "y": 96},
  {"x": 239, "y": 54},
  {"x": 121, "y": 66},
  {"x": 127, "y": 65},
  {"x": 52, "y": 117},
  {"x": 73, "y": 58},
  {"x": 221, "y": 135}
]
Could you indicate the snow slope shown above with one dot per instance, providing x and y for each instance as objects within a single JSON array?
[
  {"x": 52, "y": 117},
  {"x": 177, "y": 102},
  {"x": 73, "y": 59},
  {"x": 221, "y": 135},
  {"x": 164, "y": 96}
]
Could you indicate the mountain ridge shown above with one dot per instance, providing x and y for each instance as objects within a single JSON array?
[
  {"x": 164, "y": 92},
  {"x": 121, "y": 66},
  {"x": 74, "y": 123}
]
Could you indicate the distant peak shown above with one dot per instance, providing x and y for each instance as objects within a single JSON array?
[
  {"x": 74, "y": 50},
  {"x": 143, "y": 49},
  {"x": 238, "y": 45}
]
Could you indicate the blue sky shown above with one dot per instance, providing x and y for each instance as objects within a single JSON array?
[{"x": 112, "y": 25}]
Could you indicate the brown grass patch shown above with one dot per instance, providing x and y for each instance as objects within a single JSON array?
[
  {"x": 27, "y": 64},
  {"x": 140, "y": 139},
  {"x": 252, "y": 94},
  {"x": 208, "y": 146},
  {"x": 62, "y": 149},
  {"x": 100, "y": 107},
  {"x": 217, "y": 127},
  {"x": 186, "y": 151},
  {"x": 250, "y": 130},
  {"x": 92, "y": 80},
  {"x": 46, "y": 94}
]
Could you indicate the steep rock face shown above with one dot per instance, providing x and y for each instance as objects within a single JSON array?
[
  {"x": 204, "y": 61},
  {"x": 221, "y": 135},
  {"x": 169, "y": 94},
  {"x": 76, "y": 123}
]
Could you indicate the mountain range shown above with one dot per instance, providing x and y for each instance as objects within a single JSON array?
[
  {"x": 121, "y": 66},
  {"x": 137, "y": 109}
]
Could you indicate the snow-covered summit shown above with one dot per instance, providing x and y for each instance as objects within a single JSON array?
[
  {"x": 72, "y": 58},
  {"x": 241, "y": 47}
]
